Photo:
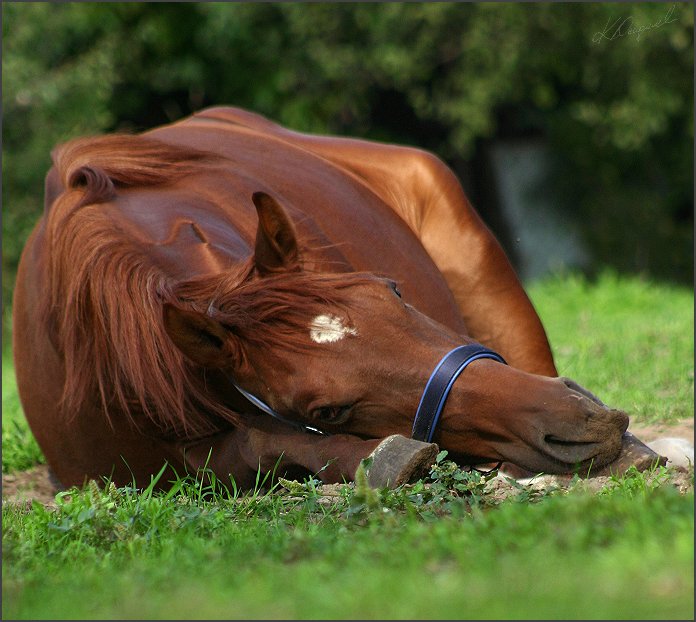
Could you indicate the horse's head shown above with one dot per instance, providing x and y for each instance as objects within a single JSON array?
[{"x": 346, "y": 354}]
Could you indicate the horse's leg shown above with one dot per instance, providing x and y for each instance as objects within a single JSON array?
[{"x": 264, "y": 445}]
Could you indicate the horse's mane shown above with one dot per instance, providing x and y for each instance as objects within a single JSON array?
[{"x": 106, "y": 293}]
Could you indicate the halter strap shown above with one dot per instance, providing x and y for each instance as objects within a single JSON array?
[
  {"x": 440, "y": 384},
  {"x": 432, "y": 401}
]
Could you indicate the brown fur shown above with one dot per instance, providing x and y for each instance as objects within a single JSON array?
[
  {"x": 164, "y": 257},
  {"x": 122, "y": 350}
]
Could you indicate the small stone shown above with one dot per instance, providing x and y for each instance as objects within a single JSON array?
[{"x": 398, "y": 460}]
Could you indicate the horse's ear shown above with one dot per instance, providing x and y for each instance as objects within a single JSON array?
[
  {"x": 199, "y": 337},
  {"x": 276, "y": 242}
]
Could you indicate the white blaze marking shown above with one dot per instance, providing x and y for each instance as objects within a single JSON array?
[{"x": 328, "y": 329}]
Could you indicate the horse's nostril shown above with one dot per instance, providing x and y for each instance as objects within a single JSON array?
[{"x": 570, "y": 451}]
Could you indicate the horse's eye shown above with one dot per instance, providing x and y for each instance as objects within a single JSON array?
[
  {"x": 331, "y": 414},
  {"x": 394, "y": 288}
]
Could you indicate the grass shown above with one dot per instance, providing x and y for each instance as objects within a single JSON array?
[
  {"x": 441, "y": 548},
  {"x": 19, "y": 448},
  {"x": 626, "y": 553},
  {"x": 629, "y": 341},
  {"x": 205, "y": 553}
]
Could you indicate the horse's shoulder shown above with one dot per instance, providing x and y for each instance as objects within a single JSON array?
[{"x": 406, "y": 178}]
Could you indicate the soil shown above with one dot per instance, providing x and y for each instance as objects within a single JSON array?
[
  {"x": 35, "y": 484},
  {"x": 646, "y": 433}
]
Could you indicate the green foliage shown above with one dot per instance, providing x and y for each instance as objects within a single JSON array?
[
  {"x": 444, "y": 76},
  {"x": 630, "y": 341},
  {"x": 447, "y": 490},
  {"x": 19, "y": 447},
  {"x": 617, "y": 555},
  {"x": 20, "y": 450},
  {"x": 634, "y": 483}
]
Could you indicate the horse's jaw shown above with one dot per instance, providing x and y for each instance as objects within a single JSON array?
[{"x": 540, "y": 424}]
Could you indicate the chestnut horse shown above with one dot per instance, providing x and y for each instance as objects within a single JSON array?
[{"x": 186, "y": 283}]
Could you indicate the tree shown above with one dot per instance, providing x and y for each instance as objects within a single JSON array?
[{"x": 616, "y": 108}]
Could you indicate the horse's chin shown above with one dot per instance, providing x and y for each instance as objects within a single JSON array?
[
  {"x": 581, "y": 440},
  {"x": 570, "y": 458},
  {"x": 560, "y": 458}
]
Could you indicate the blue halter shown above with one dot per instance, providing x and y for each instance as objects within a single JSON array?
[
  {"x": 432, "y": 401},
  {"x": 440, "y": 384}
]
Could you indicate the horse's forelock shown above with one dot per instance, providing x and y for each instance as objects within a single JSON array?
[{"x": 273, "y": 312}]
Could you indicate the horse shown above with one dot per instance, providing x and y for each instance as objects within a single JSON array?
[{"x": 224, "y": 293}]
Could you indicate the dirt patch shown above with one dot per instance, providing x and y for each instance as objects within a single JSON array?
[
  {"x": 651, "y": 432},
  {"x": 502, "y": 488},
  {"x": 36, "y": 483}
]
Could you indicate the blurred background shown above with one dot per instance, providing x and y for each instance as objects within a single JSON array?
[{"x": 570, "y": 126}]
